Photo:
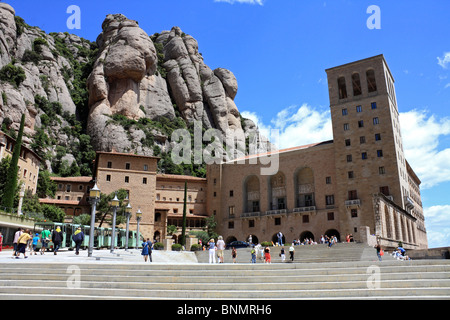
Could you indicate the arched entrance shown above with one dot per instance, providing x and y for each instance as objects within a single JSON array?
[
  {"x": 333, "y": 232},
  {"x": 157, "y": 236},
  {"x": 230, "y": 239},
  {"x": 306, "y": 235},
  {"x": 255, "y": 239}
]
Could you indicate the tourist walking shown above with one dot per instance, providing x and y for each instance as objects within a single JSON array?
[
  {"x": 253, "y": 252},
  {"x": 267, "y": 258},
  {"x": 380, "y": 252},
  {"x": 22, "y": 243},
  {"x": 234, "y": 254},
  {"x": 282, "y": 254},
  {"x": 145, "y": 250},
  {"x": 45, "y": 239},
  {"x": 78, "y": 238},
  {"x": 57, "y": 238},
  {"x": 35, "y": 243},
  {"x": 291, "y": 253},
  {"x": 150, "y": 246},
  {"x": 212, "y": 251},
  {"x": 1, "y": 242},
  {"x": 16, "y": 239},
  {"x": 220, "y": 248}
]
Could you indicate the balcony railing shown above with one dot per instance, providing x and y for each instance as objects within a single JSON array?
[
  {"x": 354, "y": 202},
  {"x": 250, "y": 214},
  {"x": 409, "y": 203},
  {"x": 276, "y": 212},
  {"x": 304, "y": 209}
]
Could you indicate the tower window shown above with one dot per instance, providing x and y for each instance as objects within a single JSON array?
[
  {"x": 373, "y": 105},
  {"x": 360, "y": 124},
  {"x": 379, "y": 153},
  {"x": 358, "y": 109},
  {"x": 356, "y": 81},
  {"x": 377, "y": 136},
  {"x": 371, "y": 82},
  {"x": 376, "y": 120},
  {"x": 342, "y": 88},
  {"x": 344, "y": 112},
  {"x": 346, "y": 127},
  {"x": 364, "y": 155}
]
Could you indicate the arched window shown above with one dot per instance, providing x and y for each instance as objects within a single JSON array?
[
  {"x": 342, "y": 88},
  {"x": 356, "y": 81},
  {"x": 371, "y": 82}
]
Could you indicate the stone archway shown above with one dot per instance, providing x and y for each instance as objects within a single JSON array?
[
  {"x": 230, "y": 239},
  {"x": 333, "y": 232},
  {"x": 306, "y": 234}
]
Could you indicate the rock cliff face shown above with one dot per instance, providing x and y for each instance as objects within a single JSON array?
[
  {"x": 134, "y": 79},
  {"x": 120, "y": 93}
]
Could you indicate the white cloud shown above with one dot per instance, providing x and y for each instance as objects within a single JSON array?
[
  {"x": 421, "y": 133},
  {"x": 437, "y": 222},
  {"x": 297, "y": 126},
  {"x": 258, "y": 2},
  {"x": 444, "y": 62}
]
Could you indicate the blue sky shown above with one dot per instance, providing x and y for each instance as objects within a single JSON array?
[{"x": 279, "y": 50}]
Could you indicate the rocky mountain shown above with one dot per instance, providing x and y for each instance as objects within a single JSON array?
[{"x": 127, "y": 92}]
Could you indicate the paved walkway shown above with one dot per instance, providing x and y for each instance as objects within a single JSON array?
[{"x": 102, "y": 256}]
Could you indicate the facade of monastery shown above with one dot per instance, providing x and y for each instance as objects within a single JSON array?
[{"x": 359, "y": 183}]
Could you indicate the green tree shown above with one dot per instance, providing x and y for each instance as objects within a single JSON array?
[
  {"x": 53, "y": 213},
  {"x": 46, "y": 187},
  {"x": 11, "y": 178},
  {"x": 183, "y": 232}
]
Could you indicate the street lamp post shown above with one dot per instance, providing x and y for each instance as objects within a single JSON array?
[
  {"x": 138, "y": 219},
  {"x": 114, "y": 203},
  {"x": 128, "y": 209},
  {"x": 94, "y": 196}
]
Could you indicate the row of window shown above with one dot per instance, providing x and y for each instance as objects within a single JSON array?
[
  {"x": 127, "y": 179},
  {"x": 362, "y": 140},
  {"x": 305, "y": 219},
  {"x": 359, "y": 109},
  {"x": 364, "y": 156},
  {"x": 127, "y": 166},
  {"x": 356, "y": 84},
  {"x": 375, "y": 121}
]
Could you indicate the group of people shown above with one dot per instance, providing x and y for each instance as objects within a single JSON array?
[
  {"x": 24, "y": 239},
  {"x": 256, "y": 251}
]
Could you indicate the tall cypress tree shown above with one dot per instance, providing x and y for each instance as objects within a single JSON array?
[
  {"x": 183, "y": 232},
  {"x": 11, "y": 178}
]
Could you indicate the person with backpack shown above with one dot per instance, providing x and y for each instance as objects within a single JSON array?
[
  {"x": 45, "y": 239},
  {"x": 145, "y": 250},
  {"x": 57, "y": 238},
  {"x": 78, "y": 238},
  {"x": 150, "y": 246}
]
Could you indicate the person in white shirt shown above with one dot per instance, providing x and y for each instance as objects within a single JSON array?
[{"x": 220, "y": 248}]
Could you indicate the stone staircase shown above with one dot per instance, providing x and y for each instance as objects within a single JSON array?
[
  {"x": 306, "y": 254},
  {"x": 420, "y": 279}
]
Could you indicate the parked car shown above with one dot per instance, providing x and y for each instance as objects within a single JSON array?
[{"x": 238, "y": 244}]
